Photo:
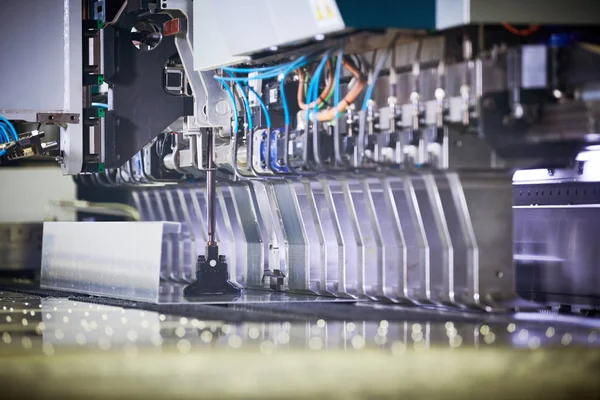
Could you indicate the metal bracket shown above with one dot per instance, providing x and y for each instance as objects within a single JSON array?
[{"x": 57, "y": 118}]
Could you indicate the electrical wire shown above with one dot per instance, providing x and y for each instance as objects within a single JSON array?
[
  {"x": 2, "y": 153},
  {"x": 100, "y": 105},
  {"x": 323, "y": 96},
  {"x": 330, "y": 113},
  {"x": 4, "y": 135},
  {"x": 336, "y": 102},
  {"x": 337, "y": 78},
  {"x": 286, "y": 110},
  {"x": 246, "y": 103},
  {"x": 281, "y": 72},
  {"x": 11, "y": 128},
  {"x": 272, "y": 73},
  {"x": 305, "y": 87},
  {"x": 521, "y": 32},
  {"x": 313, "y": 90},
  {"x": 313, "y": 87},
  {"x": 264, "y": 108},
  {"x": 380, "y": 63}
]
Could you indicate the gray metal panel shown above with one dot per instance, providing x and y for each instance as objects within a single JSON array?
[
  {"x": 536, "y": 11},
  {"x": 209, "y": 54},
  {"x": 41, "y": 69},
  {"x": 225, "y": 29},
  {"x": 239, "y": 22},
  {"x": 451, "y": 13},
  {"x": 41, "y": 49}
]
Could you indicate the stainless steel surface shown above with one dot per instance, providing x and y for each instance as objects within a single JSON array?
[
  {"x": 442, "y": 238},
  {"x": 94, "y": 258},
  {"x": 556, "y": 252}
]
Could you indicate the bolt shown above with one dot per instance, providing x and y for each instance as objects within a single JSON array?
[{"x": 500, "y": 274}]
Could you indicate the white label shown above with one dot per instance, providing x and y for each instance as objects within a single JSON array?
[{"x": 272, "y": 96}]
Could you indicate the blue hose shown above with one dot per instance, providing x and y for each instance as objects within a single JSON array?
[
  {"x": 313, "y": 87},
  {"x": 274, "y": 73},
  {"x": 264, "y": 108},
  {"x": 11, "y": 128},
  {"x": 4, "y": 136},
  {"x": 338, "y": 74}
]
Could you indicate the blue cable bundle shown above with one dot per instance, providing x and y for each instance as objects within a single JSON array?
[
  {"x": 8, "y": 129},
  {"x": 278, "y": 71},
  {"x": 4, "y": 135}
]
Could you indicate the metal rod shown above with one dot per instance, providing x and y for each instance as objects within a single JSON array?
[{"x": 210, "y": 190}]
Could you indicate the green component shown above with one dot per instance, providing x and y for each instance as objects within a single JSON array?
[
  {"x": 100, "y": 79},
  {"x": 101, "y": 113},
  {"x": 100, "y": 24},
  {"x": 101, "y": 167}
]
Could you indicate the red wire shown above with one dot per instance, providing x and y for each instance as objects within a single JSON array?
[{"x": 521, "y": 32}]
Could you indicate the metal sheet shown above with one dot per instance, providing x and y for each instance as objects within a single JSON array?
[{"x": 114, "y": 259}]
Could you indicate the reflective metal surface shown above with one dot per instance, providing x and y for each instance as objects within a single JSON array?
[
  {"x": 441, "y": 238},
  {"x": 114, "y": 259},
  {"x": 556, "y": 252},
  {"x": 70, "y": 346}
]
